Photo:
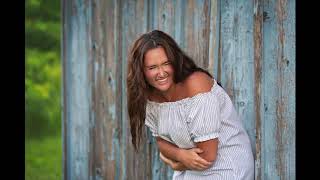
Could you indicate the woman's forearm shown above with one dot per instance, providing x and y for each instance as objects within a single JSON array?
[
  {"x": 177, "y": 166},
  {"x": 168, "y": 149},
  {"x": 187, "y": 157}
]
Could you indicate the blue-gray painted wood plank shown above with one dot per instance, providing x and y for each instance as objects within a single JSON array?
[
  {"x": 134, "y": 22},
  {"x": 237, "y": 71},
  {"x": 77, "y": 102},
  {"x": 214, "y": 38},
  {"x": 196, "y": 31},
  {"x": 279, "y": 84}
]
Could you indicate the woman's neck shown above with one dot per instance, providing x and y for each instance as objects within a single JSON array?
[{"x": 167, "y": 96}]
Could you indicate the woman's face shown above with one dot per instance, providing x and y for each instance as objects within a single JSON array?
[{"x": 158, "y": 69}]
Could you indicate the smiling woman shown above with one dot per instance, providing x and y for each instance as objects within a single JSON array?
[
  {"x": 154, "y": 46},
  {"x": 196, "y": 126},
  {"x": 158, "y": 70}
]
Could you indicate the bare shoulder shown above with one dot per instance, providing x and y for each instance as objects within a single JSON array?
[{"x": 198, "y": 82}]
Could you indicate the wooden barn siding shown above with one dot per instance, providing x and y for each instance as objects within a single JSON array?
[
  {"x": 278, "y": 87},
  {"x": 248, "y": 45}
]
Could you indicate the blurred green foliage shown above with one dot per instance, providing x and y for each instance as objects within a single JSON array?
[
  {"x": 43, "y": 68},
  {"x": 43, "y": 148},
  {"x": 43, "y": 160}
]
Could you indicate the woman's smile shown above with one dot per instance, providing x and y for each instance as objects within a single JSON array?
[{"x": 163, "y": 81}]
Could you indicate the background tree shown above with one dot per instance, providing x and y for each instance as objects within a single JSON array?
[
  {"x": 43, "y": 148},
  {"x": 43, "y": 70}
]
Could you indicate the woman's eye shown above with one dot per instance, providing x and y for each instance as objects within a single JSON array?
[
  {"x": 150, "y": 68},
  {"x": 167, "y": 63}
]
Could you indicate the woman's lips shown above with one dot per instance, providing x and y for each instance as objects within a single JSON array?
[{"x": 162, "y": 81}]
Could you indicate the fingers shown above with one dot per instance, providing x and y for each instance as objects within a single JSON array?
[
  {"x": 161, "y": 156},
  {"x": 168, "y": 161},
  {"x": 193, "y": 160},
  {"x": 203, "y": 165},
  {"x": 202, "y": 161},
  {"x": 199, "y": 158},
  {"x": 199, "y": 164},
  {"x": 198, "y": 167},
  {"x": 164, "y": 159},
  {"x": 197, "y": 150}
]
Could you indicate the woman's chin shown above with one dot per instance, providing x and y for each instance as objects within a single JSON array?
[{"x": 163, "y": 87}]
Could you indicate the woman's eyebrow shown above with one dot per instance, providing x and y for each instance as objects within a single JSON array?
[
  {"x": 165, "y": 61},
  {"x": 151, "y": 66}
]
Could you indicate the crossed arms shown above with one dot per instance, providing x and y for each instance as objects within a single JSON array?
[{"x": 199, "y": 158}]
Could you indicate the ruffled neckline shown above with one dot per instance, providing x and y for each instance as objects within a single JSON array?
[{"x": 185, "y": 100}]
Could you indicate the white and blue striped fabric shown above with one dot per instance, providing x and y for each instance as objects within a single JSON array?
[{"x": 199, "y": 118}]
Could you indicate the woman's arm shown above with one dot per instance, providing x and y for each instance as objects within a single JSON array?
[
  {"x": 199, "y": 82},
  {"x": 209, "y": 148},
  {"x": 175, "y": 165},
  {"x": 188, "y": 157}
]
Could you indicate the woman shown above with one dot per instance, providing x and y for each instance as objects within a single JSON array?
[{"x": 196, "y": 126}]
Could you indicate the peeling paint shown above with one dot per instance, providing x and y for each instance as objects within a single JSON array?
[{"x": 112, "y": 111}]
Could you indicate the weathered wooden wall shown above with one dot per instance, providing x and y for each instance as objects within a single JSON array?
[{"x": 248, "y": 45}]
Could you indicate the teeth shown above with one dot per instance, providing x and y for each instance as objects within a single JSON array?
[{"x": 162, "y": 80}]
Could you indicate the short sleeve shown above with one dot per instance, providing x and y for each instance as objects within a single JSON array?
[
  {"x": 151, "y": 121},
  {"x": 204, "y": 118}
]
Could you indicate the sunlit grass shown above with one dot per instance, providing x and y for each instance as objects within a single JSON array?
[{"x": 43, "y": 158}]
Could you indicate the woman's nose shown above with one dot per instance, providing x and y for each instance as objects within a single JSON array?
[{"x": 161, "y": 72}]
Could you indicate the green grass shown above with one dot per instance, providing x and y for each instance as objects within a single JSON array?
[{"x": 43, "y": 159}]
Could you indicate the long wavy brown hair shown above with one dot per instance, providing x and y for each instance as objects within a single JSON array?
[{"x": 137, "y": 86}]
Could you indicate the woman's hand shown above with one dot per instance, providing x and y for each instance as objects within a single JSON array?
[
  {"x": 177, "y": 166},
  {"x": 191, "y": 159}
]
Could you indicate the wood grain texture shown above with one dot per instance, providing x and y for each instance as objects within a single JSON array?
[
  {"x": 237, "y": 57},
  {"x": 76, "y": 93},
  {"x": 258, "y": 100},
  {"x": 197, "y": 30},
  {"x": 134, "y": 22},
  {"x": 279, "y": 87},
  {"x": 214, "y": 34},
  {"x": 247, "y": 45}
]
